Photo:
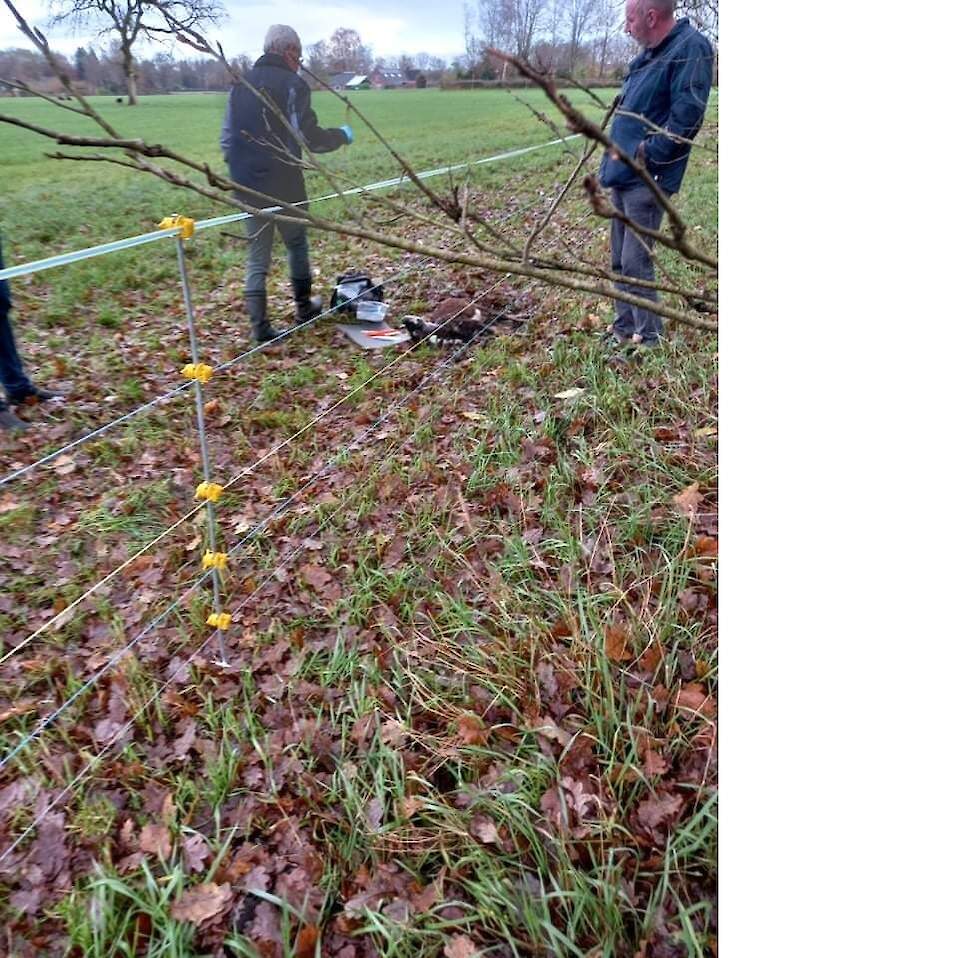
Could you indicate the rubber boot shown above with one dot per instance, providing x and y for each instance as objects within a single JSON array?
[
  {"x": 261, "y": 329},
  {"x": 8, "y": 421},
  {"x": 306, "y": 307}
]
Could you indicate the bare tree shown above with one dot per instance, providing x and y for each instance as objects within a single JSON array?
[
  {"x": 475, "y": 241},
  {"x": 347, "y": 53},
  {"x": 510, "y": 25},
  {"x": 317, "y": 56},
  {"x": 608, "y": 18},
  {"x": 581, "y": 16},
  {"x": 131, "y": 20},
  {"x": 703, "y": 14},
  {"x": 525, "y": 18}
]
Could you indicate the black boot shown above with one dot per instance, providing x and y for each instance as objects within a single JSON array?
[
  {"x": 306, "y": 307},
  {"x": 8, "y": 421},
  {"x": 261, "y": 328}
]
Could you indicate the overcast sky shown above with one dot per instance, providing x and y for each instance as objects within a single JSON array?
[{"x": 387, "y": 26}]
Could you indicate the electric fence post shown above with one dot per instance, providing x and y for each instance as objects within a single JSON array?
[{"x": 213, "y": 560}]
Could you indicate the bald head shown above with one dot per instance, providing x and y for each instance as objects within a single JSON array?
[{"x": 649, "y": 21}]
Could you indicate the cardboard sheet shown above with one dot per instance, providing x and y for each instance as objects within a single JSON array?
[{"x": 358, "y": 332}]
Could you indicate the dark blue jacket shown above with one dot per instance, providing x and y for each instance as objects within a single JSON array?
[
  {"x": 5, "y": 303},
  {"x": 669, "y": 85},
  {"x": 260, "y": 151}
]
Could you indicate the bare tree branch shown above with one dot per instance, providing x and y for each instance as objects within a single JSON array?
[
  {"x": 579, "y": 123},
  {"x": 489, "y": 248}
]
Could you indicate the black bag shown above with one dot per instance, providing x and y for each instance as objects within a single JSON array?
[{"x": 351, "y": 287}]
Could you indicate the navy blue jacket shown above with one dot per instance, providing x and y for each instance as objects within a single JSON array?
[
  {"x": 260, "y": 151},
  {"x": 669, "y": 85},
  {"x": 5, "y": 303}
]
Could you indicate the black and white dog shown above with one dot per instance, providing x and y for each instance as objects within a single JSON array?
[{"x": 452, "y": 322}]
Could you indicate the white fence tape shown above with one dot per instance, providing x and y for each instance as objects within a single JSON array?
[{"x": 26, "y": 269}]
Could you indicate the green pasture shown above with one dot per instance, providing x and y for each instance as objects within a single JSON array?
[{"x": 51, "y": 206}]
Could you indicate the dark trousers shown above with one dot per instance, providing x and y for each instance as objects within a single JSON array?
[
  {"x": 630, "y": 257},
  {"x": 15, "y": 383},
  {"x": 261, "y": 233}
]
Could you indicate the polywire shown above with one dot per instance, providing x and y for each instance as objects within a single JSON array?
[
  {"x": 48, "y": 720},
  {"x": 244, "y": 603},
  {"x": 37, "y": 266},
  {"x": 101, "y": 430},
  {"x": 94, "y": 434},
  {"x": 254, "y": 532}
]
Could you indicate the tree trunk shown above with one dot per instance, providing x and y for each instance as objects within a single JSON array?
[{"x": 129, "y": 68}]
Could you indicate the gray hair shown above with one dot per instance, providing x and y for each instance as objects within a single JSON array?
[{"x": 281, "y": 38}]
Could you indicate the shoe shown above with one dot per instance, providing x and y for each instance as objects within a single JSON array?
[
  {"x": 637, "y": 342},
  {"x": 261, "y": 329},
  {"x": 8, "y": 421},
  {"x": 612, "y": 337},
  {"x": 306, "y": 306},
  {"x": 33, "y": 396}
]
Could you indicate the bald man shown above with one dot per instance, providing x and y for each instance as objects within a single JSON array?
[{"x": 668, "y": 84}]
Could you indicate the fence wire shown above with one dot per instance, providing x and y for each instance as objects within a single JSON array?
[{"x": 258, "y": 528}]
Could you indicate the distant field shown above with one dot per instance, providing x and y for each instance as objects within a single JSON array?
[
  {"x": 54, "y": 206},
  {"x": 51, "y": 205}
]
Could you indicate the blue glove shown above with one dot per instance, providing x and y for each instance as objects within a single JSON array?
[{"x": 348, "y": 133}]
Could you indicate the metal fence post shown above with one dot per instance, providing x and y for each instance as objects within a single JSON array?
[{"x": 215, "y": 568}]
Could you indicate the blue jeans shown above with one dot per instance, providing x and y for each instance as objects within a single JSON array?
[
  {"x": 629, "y": 257},
  {"x": 15, "y": 383},
  {"x": 261, "y": 233}
]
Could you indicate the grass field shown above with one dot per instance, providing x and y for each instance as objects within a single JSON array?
[{"x": 475, "y": 712}]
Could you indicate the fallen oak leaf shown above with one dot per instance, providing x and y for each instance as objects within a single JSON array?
[
  {"x": 471, "y": 730},
  {"x": 616, "y": 643},
  {"x": 200, "y": 903},
  {"x": 314, "y": 575},
  {"x": 655, "y": 811},
  {"x": 195, "y": 853},
  {"x": 693, "y": 698},
  {"x": 484, "y": 828},
  {"x": 460, "y": 946},
  {"x": 689, "y": 499},
  {"x": 375, "y": 814},
  {"x": 410, "y": 806},
  {"x": 64, "y": 465},
  {"x": 707, "y": 547},
  {"x": 155, "y": 840},
  {"x": 306, "y": 941},
  {"x": 654, "y": 763}
]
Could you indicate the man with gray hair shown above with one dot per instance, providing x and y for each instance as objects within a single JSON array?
[
  {"x": 664, "y": 95},
  {"x": 263, "y": 148}
]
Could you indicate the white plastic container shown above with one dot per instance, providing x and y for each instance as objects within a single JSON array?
[
  {"x": 370, "y": 311},
  {"x": 348, "y": 292}
]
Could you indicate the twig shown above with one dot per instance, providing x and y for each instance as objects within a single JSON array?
[{"x": 585, "y": 156}]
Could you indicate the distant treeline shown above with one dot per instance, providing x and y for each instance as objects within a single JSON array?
[{"x": 101, "y": 72}]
